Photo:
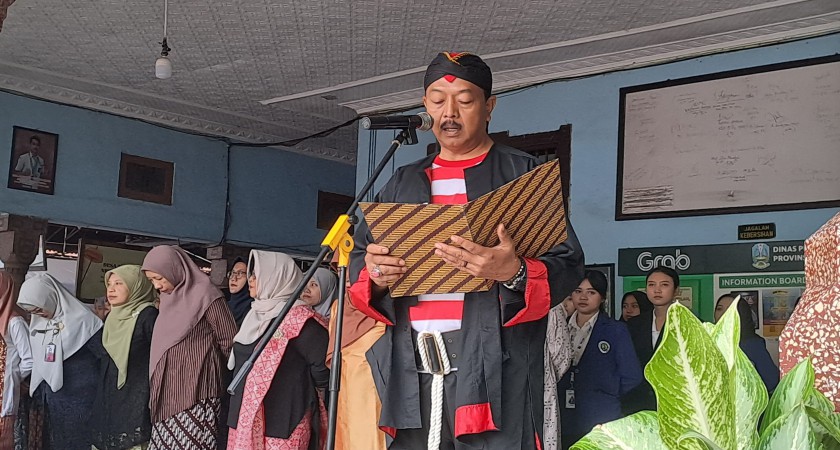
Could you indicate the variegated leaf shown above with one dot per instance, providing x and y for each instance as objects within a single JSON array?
[
  {"x": 791, "y": 431},
  {"x": 687, "y": 372},
  {"x": 790, "y": 392},
  {"x": 817, "y": 400},
  {"x": 825, "y": 429},
  {"x": 634, "y": 432},
  {"x": 750, "y": 401},
  {"x": 699, "y": 438},
  {"x": 749, "y": 391},
  {"x": 727, "y": 332}
]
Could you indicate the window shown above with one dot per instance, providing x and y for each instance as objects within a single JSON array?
[
  {"x": 146, "y": 179},
  {"x": 545, "y": 146},
  {"x": 330, "y": 206}
]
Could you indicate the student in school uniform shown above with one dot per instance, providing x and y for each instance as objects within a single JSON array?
[
  {"x": 604, "y": 363},
  {"x": 662, "y": 285}
]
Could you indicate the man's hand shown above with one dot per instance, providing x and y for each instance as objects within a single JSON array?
[
  {"x": 382, "y": 267},
  {"x": 498, "y": 263}
]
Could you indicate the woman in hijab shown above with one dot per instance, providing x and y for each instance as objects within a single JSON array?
[
  {"x": 62, "y": 332},
  {"x": 279, "y": 405},
  {"x": 321, "y": 292},
  {"x": 634, "y": 303},
  {"x": 121, "y": 409},
  {"x": 358, "y": 402},
  {"x": 15, "y": 360},
  {"x": 240, "y": 300},
  {"x": 191, "y": 340}
]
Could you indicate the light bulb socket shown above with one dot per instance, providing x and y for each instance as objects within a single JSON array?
[{"x": 164, "y": 48}]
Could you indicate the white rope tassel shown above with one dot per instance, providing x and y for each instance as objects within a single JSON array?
[{"x": 436, "y": 414}]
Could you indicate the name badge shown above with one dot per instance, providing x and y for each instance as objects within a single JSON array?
[
  {"x": 49, "y": 356},
  {"x": 570, "y": 399}
]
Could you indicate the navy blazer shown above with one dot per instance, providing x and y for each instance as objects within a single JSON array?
[
  {"x": 607, "y": 370},
  {"x": 756, "y": 350}
]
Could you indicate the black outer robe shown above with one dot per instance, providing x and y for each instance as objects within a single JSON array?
[{"x": 508, "y": 361}]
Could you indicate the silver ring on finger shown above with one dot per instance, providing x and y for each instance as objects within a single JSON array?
[{"x": 376, "y": 271}]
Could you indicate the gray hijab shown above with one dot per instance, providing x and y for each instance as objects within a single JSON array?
[{"x": 328, "y": 283}]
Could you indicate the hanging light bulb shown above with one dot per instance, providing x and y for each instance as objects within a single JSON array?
[{"x": 163, "y": 66}]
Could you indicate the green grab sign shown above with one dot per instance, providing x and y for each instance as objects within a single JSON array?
[{"x": 761, "y": 281}]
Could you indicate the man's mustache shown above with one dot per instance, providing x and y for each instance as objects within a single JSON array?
[{"x": 450, "y": 124}]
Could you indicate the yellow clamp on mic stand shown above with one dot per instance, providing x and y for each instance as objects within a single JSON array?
[{"x": 339, "y": 239}]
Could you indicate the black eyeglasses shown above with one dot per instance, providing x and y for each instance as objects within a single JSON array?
[{"x": 235, "y": 274}]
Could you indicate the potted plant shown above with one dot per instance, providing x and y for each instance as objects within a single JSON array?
[{"x": 710, "y": 397}]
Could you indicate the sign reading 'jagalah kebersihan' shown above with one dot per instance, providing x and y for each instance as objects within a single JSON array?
[{"x": 756, "y": 231}]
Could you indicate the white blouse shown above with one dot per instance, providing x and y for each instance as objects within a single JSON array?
[
  {"x": 18, "y": 364},
  {"x": 580, "y": 335}
]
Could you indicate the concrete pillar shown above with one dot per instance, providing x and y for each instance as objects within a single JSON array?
[
  {"x": 221, "y": 256},
  {"x": 4, "y": 9},
  {"x": 20, "y": 237}
]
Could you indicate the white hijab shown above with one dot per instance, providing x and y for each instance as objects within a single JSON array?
[
  {"x": 75, "y": 325},
  {"x": 277, "y": 277}
]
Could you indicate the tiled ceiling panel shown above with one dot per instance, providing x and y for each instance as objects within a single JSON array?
[{"x": 324, "y": 60}]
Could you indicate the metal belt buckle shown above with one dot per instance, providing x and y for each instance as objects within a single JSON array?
[{"x": 434, "y": 354}]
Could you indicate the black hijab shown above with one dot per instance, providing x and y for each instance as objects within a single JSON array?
[
  {"x": 645, "y": 306},
  {"x": 745, "y": 313},
  {"x": 239, "y": 302}
]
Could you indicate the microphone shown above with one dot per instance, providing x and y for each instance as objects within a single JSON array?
[{"x": 421, "y": 121}]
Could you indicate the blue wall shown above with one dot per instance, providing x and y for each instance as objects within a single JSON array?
[
  {"x": 591, "y": 106},
  {"x": 275, "y": 195},
  {"x": 273, "y": 192}
]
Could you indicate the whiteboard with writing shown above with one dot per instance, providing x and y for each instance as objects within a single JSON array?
[{"x": 731, "y": 142}]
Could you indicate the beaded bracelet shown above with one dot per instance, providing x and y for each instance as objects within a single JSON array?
[{"x": 515, "y": 283}]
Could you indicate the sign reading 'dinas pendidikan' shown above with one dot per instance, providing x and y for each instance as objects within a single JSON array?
[{"x": 778, "y": 256}]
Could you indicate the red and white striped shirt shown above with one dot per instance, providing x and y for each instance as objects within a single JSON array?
[{"x": 442, "y": 312}]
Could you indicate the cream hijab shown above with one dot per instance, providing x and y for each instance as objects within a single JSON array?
[
  {"x": 71, "y": 326},
  {"x": 277, "y": 277}
]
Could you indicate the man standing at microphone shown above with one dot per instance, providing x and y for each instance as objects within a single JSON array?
[{"x": 494, "y": 340}]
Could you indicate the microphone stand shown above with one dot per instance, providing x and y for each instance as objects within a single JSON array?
[{"x": 339, "y": 239}]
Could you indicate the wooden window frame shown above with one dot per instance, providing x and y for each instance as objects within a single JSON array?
[{"x": 125, "y": 192}]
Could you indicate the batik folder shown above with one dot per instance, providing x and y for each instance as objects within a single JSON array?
[{"x": 531, "y": 207}]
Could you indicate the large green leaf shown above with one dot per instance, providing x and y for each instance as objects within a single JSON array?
[
  {"x": 815, "y": 399},
  {"x": 750, "y": 401},
  {"x": 791, "y": 391},
  {"x": 699, "y": 438},
  {"x": 727, "y": 332},
  {"x": 747, "y": 388},
  {"x": 826, "y": 431},
  {"x": 789, "y": 431},
  {"x": 687, "y": 372},
  {"x": 634, "y": 432}
]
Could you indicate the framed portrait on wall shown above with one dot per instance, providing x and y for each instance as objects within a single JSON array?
[{"x": 32, "y": 160}]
